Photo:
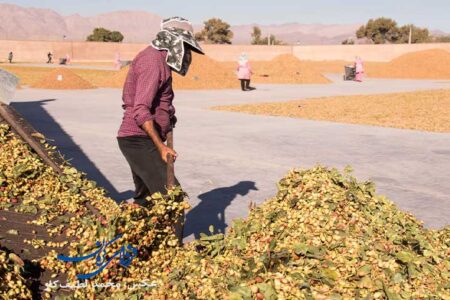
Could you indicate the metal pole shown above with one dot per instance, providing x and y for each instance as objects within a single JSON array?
[{"x": 71, "y": 49}]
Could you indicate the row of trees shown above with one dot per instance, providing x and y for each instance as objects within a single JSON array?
[
  {"x": 216, "y": 31},
  {"x": 442, "y": 39},
  {"x": 257, "y": 38},
  {"x": 385, "y": 30},
  {"x": 378, "y": 31}
]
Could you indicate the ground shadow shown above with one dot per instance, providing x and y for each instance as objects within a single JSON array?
[
  {"x": 36, "y": 114},
  {"x": 211, "y": 209}
]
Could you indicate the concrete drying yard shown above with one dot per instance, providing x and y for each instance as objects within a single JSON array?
[{"x": 220, "y": 151}]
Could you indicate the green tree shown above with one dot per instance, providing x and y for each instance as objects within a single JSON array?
[
  {"x": 257, "y": 40},
  {"x": 348, "y": 41},
  {"x": 418, "y": 35},
  {"x": 116, "y": 37},
  {"x": 256, "y": 36},
  {"x": 215, "y": 31},
  {"x": 380, "y": 31},
  {"x": 442, "y": 39},
  {"x": 104, "y": 35},
  {"x": 273, "y": 41},
  {"x": 384, "y": 30}
]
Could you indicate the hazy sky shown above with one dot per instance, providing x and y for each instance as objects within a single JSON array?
[{"x": 434, "y": 14}]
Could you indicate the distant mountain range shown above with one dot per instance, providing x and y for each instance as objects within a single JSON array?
[
  {"x": 44, "y": 24},
  {"x": 140, "y": 27}
]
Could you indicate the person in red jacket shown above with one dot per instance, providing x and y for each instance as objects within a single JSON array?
[{"x": 147, "y": 104}]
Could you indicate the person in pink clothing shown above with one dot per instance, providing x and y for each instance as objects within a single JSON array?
[
  {"x": 67, "y": 59},
  {"x": 244, "y": 73},
  {"x": 117, "y": 62},
  {"x": 359, "y": 69}
]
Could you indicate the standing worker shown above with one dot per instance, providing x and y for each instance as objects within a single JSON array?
[
  {"x": 359, "y": 69},
  {"x": 244, "y": 72},
  {"x": 67, "y": 59},
  {"x": 147, "y": 103},
  {"x": 10, "y": 57},
  {"x": 117, "y": 62},
  {"x": 49, "y": 56}
]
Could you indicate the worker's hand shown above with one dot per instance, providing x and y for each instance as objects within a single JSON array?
[{"x": 164, "y": 150}]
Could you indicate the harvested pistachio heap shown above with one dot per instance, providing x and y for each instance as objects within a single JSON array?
[
  {"x": 323, "y": 236},
  {"x": 148, "y": 230},
  {"x": 13, "y": 285},
  {"x": 73, "y": 207}
]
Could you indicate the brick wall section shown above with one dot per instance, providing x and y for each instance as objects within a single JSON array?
[
  {"x": 381, "y": 53},
  {"x": 36, "y": 51}
]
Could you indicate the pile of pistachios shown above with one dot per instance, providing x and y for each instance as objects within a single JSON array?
[
  {"x": 325, "y": 235},
  {"x": 75, "y": 209},
  {"x": 13, "y": 285}
]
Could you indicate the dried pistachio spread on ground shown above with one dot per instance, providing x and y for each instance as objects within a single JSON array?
[{"x": 323, "y": 236}]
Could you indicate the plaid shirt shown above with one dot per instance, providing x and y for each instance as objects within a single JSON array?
[{"x": 147, "y": 94}]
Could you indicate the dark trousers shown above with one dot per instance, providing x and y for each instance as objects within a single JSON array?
[
  {"x": 149, "y": 171},
  {"x": 245, "y": 84},
  {"x": 147, "y": 167}
]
